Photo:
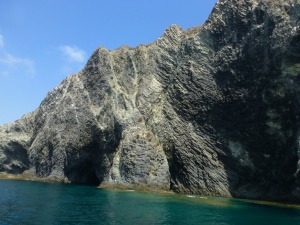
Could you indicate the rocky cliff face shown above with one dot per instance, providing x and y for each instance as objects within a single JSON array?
[{"x": 213, "y": 110}]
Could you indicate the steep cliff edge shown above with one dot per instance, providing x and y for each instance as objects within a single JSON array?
[{"x": 213, "y": 110}]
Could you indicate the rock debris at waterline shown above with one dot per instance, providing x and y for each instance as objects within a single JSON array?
[{"x": 213, "y": 110}]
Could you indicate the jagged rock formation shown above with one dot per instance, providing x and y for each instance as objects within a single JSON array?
[{"x": 213, "y": 110}]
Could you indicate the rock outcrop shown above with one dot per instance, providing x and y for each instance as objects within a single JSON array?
[{"x": 213, "y": 110}]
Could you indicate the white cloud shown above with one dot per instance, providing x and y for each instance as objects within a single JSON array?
[
  {"x": 11, "y": 64},
  {"x": 73, "y": 53}
]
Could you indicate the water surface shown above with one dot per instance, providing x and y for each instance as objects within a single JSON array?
[{"x": 24, "y": 202}]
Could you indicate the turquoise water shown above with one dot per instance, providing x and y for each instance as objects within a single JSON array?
[{"x": 24, "y": 202}]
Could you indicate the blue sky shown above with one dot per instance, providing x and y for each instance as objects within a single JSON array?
[{"x": 43, "y": 41}]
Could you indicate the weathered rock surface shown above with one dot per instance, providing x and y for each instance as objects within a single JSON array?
[{"x": 213, "y": 110}]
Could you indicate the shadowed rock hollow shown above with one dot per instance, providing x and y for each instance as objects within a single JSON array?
[{"x": 213, "y": 110}]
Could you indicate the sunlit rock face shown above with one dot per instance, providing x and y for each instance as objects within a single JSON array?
[{"x": 213, "y": 110}]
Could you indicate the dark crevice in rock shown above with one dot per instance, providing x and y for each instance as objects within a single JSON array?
[
  {"x": 174, "y": 168},
  {"x": 259, "y": 16}
]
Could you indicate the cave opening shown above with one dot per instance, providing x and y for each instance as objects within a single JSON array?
[{"x": 83, "y": 174}]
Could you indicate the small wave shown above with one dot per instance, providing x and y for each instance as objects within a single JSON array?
[{"x": 191, "y": 196}]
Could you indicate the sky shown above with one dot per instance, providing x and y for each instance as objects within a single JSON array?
[{"x": 44, "y": 41}]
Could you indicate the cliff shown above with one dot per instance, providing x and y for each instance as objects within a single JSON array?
[{"x": 213, "y": 110}]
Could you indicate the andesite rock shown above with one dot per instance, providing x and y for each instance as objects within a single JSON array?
[{"x": 213, "y": 110}]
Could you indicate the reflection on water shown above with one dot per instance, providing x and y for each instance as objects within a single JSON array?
[{"x": 23, "y": 202}]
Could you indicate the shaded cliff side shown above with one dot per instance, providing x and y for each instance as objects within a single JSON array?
[{"x": 213, "y": 110}]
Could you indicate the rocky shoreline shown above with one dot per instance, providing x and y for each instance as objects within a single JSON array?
[{"x": 212, "y": 111}]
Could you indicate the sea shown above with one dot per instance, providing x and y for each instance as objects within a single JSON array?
[{"x": 25, "y": 202}]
